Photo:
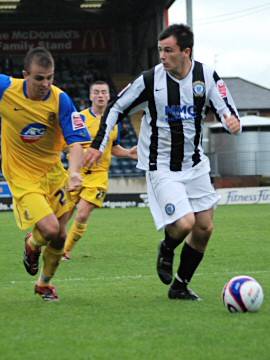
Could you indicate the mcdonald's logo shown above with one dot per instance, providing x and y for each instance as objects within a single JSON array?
[{"x": 94, "y": 40}]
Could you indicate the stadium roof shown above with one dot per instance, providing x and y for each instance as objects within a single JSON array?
[
  {"x": 112, "y": 7},
  {"x": 248, "y": 95}
]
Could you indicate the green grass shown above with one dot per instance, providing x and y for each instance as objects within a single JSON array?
[{"x": 114, "y": 307}]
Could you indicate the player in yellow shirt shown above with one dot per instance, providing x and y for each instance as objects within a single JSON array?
[
  {"x": 37, "y": 119},
  {"x": 95, "y": 181}
]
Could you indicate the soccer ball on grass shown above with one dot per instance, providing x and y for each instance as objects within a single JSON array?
[{"x": 242, "y": 294}]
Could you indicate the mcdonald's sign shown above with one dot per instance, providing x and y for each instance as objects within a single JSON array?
[{"x": 94, "y": 40}]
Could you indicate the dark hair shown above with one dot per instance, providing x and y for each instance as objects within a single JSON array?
[
  {"x": 182, "y": 33},
  {"x": 98, "y": 82},
  {"x": 40, "y": 56}
]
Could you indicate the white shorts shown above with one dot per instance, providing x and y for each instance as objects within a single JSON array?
[{"x": 172, "y": 195}]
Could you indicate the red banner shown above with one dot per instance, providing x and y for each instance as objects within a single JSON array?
[{"x": 61, "y": 41}]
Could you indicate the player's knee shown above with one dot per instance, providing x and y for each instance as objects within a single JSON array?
[
  {"x": 82, "y": 218},
  {"x": 83, "y": 215},
  {"x": 51, "y": 232},
  {"x": 58, "y": 242},
  {"x": 186, "y": 223},
  {"x": 207, "y": 228},
  {"x": 181, "y": 227}
]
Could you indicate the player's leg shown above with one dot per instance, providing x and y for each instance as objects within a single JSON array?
[
  {"x": 33, "y": 244},
  {"x": 171, "y": 210},
  {"x": 78, "y": 227},
  {"x": 91, "y": 196},
  {"x": 28, "y": 211},
  {"x": 53, "y": 229},
  {"x": 174, "y": 235},
  {"x": 202, "y": 198},
  {"x": 49, "y": 229},
  {"x": 191, "y": 255},
  {"x": 52, "y": 254}
]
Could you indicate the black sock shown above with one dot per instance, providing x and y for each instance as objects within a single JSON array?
[
  {"x": 170, "y": 243},
  {"x": 189, "y": 261}
]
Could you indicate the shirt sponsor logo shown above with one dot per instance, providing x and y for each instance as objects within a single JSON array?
[
  {"x": 77, "y": 121},
  {"x": 198, "y": 88},
  {"x": 222, "y": 88},
  {"x": 33, "y": 132},
  {"x": 178, "y": 112}
]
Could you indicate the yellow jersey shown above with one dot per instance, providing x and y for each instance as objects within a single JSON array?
[
  {"x": 92, "y": 122},
  {"x": 34, "y": 131}
]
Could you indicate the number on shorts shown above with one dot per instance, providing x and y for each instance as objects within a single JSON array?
[{"x": 61, "y": 194}]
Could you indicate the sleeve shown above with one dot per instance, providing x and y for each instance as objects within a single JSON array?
[
  {"x": 117, "y": 138},
  {"x": 220, "y": 99},
  {"x": 72, "y": 122},
  {"x": 133, "y": 98},
  {"x": 5, "y": 82}
]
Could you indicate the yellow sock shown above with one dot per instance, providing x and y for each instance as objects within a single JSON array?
[
  {"x": 51, "y": 259},
  {"x": 37, "y": 239},
  {"x": 75, "y": 233}
]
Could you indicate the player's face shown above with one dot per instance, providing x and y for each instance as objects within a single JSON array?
[
  {"x": 99, "y": 95},
  {"x": 173, "y": 59},
  {"x": 39, "y": 81}
]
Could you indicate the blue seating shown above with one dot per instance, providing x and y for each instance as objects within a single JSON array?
[{"x": 124, "y": 166}]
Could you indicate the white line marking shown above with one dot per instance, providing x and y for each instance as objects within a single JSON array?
[{"x": 139, "y": 277}]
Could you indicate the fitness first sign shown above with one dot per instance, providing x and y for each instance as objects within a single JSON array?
[
  {"x": 63, "y": 40},
  {"x": 249, "y": 195}
]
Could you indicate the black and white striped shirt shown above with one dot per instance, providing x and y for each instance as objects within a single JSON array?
[{"x": 171, "y": 129}]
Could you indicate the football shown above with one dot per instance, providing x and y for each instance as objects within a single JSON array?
[{"x": 242, "y": 294}]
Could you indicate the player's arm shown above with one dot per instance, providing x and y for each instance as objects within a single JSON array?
[
  {"x": 75, "y": 164},
  {"x": 223, "y": 106},
  {"x": 76, "y": 136},
  {"x": 120, "y": 151},
  {"x": 131, "y": 99}
]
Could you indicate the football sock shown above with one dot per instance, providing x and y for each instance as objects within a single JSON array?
[
  {"x": 36, "y": 240},
  {"x": 170, "y": 243},
  {"x": 178, "y": 283},
  {"x": 189, "y": 261},
  {"x": 75, "y": 233},
  {"x": 51, "y": 259}
]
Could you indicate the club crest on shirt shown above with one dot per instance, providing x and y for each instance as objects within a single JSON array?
[
  {"x": 52, "y": 118},
  {"x": 198, "y": 88},
  {"x": 77, "y": 121},
  {"x": 33, "y": 132},
  {"x": 170, "y": 209}
]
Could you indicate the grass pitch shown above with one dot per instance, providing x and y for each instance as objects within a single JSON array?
[{"x": 113, "y": 306}]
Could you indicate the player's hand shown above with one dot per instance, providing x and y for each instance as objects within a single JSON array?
[
  {"x": 132, "y": 153},
  {"x": 75, "y": 181},
  {"x": 232, "y": 123},
  {"x": 91, "y": 156}
]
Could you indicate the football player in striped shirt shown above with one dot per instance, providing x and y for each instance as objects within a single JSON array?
[{"x": 174, "y": 96}]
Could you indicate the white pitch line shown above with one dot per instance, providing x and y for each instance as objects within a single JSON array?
[{"x": 142, "y": 277}]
